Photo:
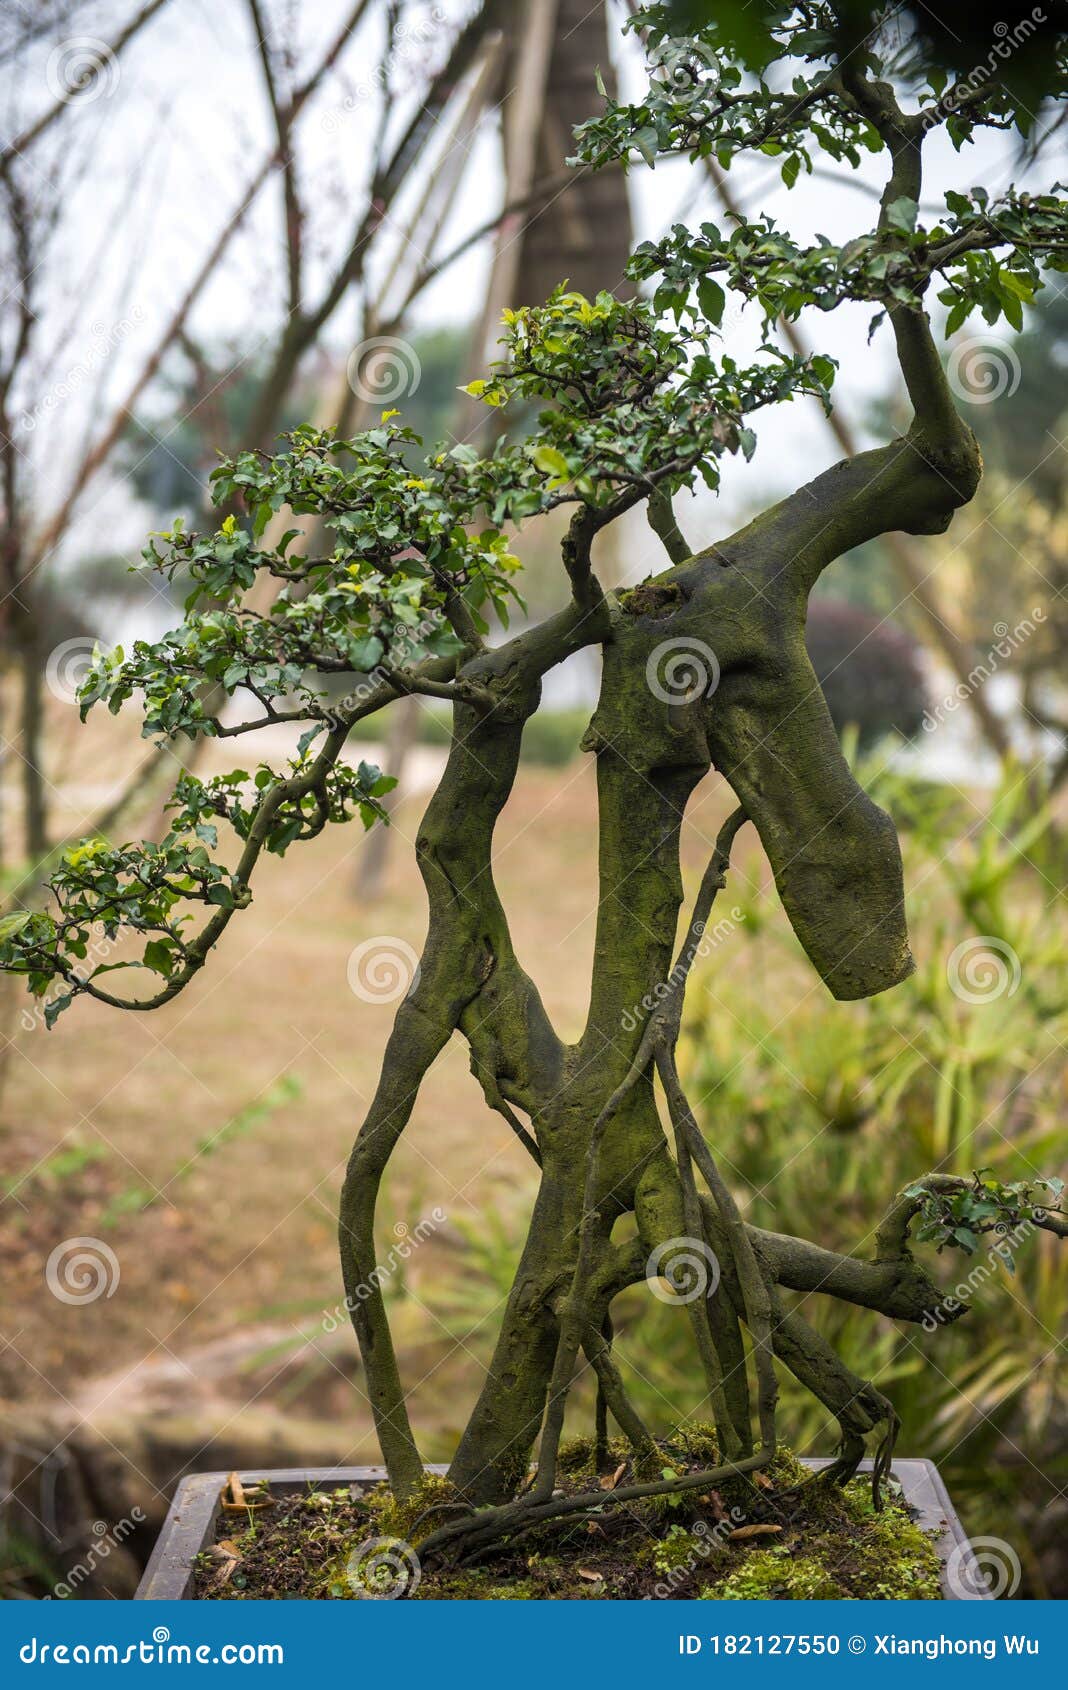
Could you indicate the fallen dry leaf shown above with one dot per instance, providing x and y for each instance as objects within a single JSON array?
[
  {"x": 742, "y": 1532},
  {"x": 763, "y": 1481},
  {"x": 609, "y": 1481},
  {"x": 590, "y": 1576},
  {"x": 236, "y": 1499}
]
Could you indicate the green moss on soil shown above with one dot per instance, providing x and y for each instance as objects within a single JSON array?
[{"x": 784, "y": 1537}]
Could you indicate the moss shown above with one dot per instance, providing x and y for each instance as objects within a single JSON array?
[
  {"x": 680, "y": 1548},
  {"x": 428, "y": 1507},
  {"x": 777, "y": 1575},
  {"x": 652, "y": 598},
  {"x": 830, "y": 1544},
  {"x": 476, "y": 1585}
]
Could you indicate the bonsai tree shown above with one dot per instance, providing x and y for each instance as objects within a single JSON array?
[{"x": 704, "y": 665}]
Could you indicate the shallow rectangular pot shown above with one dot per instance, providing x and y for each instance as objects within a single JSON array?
[{"x": 190, "y": 1523}]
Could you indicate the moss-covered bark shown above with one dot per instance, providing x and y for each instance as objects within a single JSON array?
[{"x": 736, "y": 613}]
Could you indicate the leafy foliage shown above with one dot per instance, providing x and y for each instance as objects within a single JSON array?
[{"x": 958, "y": 1219}]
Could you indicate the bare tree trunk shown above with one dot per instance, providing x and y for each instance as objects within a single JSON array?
[{"x": 31, "y": 735}]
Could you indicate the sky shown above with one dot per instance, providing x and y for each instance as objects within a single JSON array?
[{"x": 171, "y": 131}]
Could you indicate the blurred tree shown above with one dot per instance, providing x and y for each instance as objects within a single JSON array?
[{"x": 869, "y": 670}]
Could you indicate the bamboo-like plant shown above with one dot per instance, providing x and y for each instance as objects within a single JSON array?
[{"x": 704, "y": 664}]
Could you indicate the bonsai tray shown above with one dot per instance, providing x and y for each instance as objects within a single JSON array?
[{"x": 190, "y": 1523}]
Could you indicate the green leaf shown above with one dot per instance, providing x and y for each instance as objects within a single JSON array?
[
  {"x": 711, "y": 298},
  {"x": 646, "y": 140},
  {"x": 550, "y": 461},
  {"x": 901, "y": 214},
  {"x": 365, "y": 653},
  {"x": 159, "y": 956},
  {"x": 55, "y": 1008}
]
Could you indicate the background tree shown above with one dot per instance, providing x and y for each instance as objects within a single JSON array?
[{"x": 704, "y": 664}]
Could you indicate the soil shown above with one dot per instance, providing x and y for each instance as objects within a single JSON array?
[{"x": 783, "y": 1537}]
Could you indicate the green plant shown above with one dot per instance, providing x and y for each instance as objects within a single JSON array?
[{"x": 703, "y": 664}]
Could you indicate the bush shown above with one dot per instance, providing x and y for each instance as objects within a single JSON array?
[{"x": 869, "y": 671}]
